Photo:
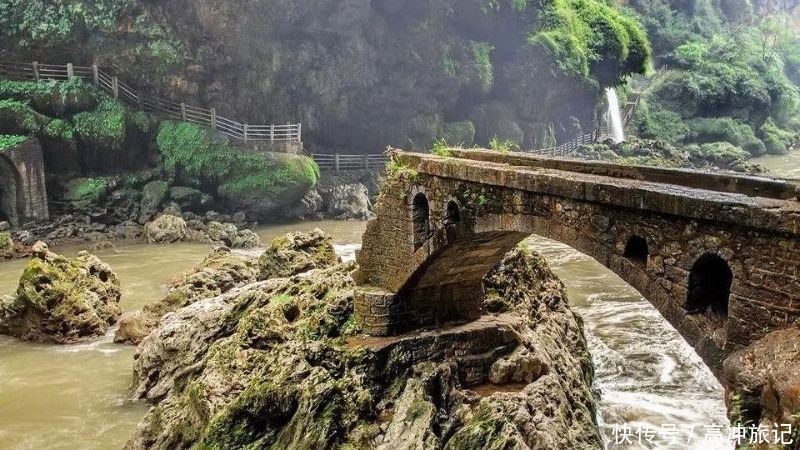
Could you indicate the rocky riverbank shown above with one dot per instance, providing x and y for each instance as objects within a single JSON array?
[{"x": 280, "y": 363}]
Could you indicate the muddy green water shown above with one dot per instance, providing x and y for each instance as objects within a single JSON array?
[{"x": 74, "y": 397}]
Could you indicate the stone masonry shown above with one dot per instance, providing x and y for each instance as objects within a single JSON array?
[
  {"x": 669, "y": 233},
  {"x": 23, "y": 195}
]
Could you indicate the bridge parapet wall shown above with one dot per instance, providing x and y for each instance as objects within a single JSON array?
[{"x": 405, "y": 285}]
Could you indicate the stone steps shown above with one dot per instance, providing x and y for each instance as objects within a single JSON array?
[{"x": 475, "y": 346}]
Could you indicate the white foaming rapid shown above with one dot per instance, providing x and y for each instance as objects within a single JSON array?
[{"x": 614, "y": 116}]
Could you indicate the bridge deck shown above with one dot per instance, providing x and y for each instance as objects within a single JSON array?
[{"x": 693, "y": 194}]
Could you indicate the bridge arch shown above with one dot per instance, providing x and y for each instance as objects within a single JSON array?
[
  {"x": 710, "y": 283},
  {"x": 420, "y": 210},
  {"x": 10, "y": 190},
  {"x": 637, "y": 250}
]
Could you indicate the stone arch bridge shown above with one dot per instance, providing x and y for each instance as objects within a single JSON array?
[
  {"x": 23, "y": 195},
  {"x": 718, "y": 255}
]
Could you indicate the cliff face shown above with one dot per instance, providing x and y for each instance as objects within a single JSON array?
[
  {"x": 364, "y": 75},
  {"x": 361, "y": 75}
]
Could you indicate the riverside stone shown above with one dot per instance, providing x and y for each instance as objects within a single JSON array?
[
  {"x": 296, "y": 253},
  {"x": 60, "y": 300}
]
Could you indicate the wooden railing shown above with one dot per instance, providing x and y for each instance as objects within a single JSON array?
[
  {"x": 150, "y": 103},
  {"x": 337, "y": 162},
  {"x": 573, "y": 145}
]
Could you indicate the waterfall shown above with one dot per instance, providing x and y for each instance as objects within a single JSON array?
[{"x": 614, "y": 116}]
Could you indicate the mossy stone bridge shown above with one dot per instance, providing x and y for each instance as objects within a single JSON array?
[{"x": 718, "y": 255}]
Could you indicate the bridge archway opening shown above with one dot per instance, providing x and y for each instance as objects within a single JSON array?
[
  {"x": 453, "y": 213},
  {"x": 710, "y": 283},
  {"x": 421, "y": 215},
  {"x": 636, "y": 250},
  {"x": 8, "y": 192}
]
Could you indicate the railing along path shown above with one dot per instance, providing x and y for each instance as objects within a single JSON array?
[{"x": 150, "y": 103}]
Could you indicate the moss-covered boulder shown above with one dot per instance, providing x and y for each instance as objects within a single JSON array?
[
  {"x": 220, "y": 272},
  {"x": 6, "y": 245},
  {"x": 296, "y": 253},
  {"x": 85, "y": 190},
  {"x": 258, "y": 184},
  {"x": 61, "y": 300},
  {"x": 165, "y": 229},
  {"x": 153, "y": 195}
]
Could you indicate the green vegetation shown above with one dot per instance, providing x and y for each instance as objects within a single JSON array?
[
  {"x": 106, "y": 126},
  {"x": 732, "y": 79},
  {"x": 590, "y": 38},
  {"x": 10, "y": 141},
  {"x": 481, "y": 56},
  {"x": 193, "y": 156},
  {"x": 503, "y": 145},
  {"x": 44, "y": 23},
  {"x": 441, "y": 148},
  {"x": 397, "y": 169}
]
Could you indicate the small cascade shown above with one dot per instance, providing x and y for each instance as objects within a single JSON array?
[{"x": 614, "y": 116}]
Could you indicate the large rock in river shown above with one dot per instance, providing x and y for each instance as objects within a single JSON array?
[
  {"x": 280, "y": 364},
  {"x": 220, "y": 272},
  {"x": 165, "y": 229},
  {"x": 762, "y": 382},
  {"x": 296, "y": 253},
  {"x": 61, "y": 300}
]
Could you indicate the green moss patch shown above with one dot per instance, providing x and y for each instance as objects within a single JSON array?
[{"x": 10, "y": 141}]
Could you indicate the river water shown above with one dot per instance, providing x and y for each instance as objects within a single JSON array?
[{"x": 74, "y": 397}]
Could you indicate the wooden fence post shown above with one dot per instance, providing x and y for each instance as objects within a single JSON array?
[
  {"x": 336, "y": 162},
  {"x": 183, "y": 111},
  {"x": 366, "y": 162},
  {"x": 244, "y": 131},
  {"x": 300, "y": 132},
  {"x": 95, "y": 74},
  {"x": 70, "y": 71},
  {"x": 36, "y": 71},
  {"x": 272, "y": 133},
  {"x": 115, "y": 87},
  {"x": 213, "y": 118}
]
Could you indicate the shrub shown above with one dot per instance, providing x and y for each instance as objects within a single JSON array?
[
  {"x": 503, "y": 145},
  {"x": 193, "y": 156},
  {"x": 725, "y": 129},
  {"x": 776, "y": 140},
  {"x": 105, "y": 126},
  {"x": 10, "y": 141},
  {"x": 719, "y": 153}
]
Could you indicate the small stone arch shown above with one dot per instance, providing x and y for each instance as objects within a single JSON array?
[
  {"x": 9, "y": 191},
  {"x": 637, "y": 250},
  {"x": 710, "y": 283},
  {"x": 420, "y": 213},
  {"x": 453, "y": 213}
]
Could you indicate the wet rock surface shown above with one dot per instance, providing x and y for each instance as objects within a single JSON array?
[
  {"x": 296, "y": 253},
  {"x": 61, "y": 300},
  {"x": 762, "y": 381},
  {"x": 221, "y": 271},
  {"x": 167, "y": 229},
  {"x": 281, "y": 364}
]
